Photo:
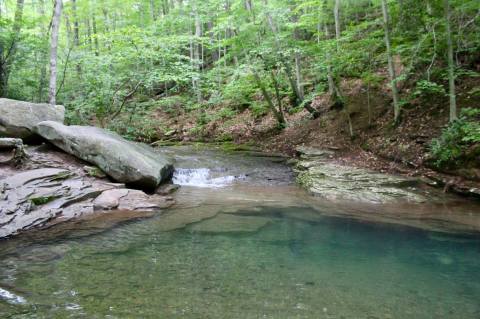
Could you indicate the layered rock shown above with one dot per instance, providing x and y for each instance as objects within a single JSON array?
[
  {"x": 18, "y": 118},
  {"x": 126, "y": 162},
  {"x": 47, "y": 196},
  {"x": 325, "y": 178}
]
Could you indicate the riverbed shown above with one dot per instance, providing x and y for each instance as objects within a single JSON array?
[{"x": 244, "y": 241}]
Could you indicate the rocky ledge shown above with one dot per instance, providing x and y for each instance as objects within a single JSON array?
[
  {"x": 323, "y": 177},
  {"x": 52, "y": 187}
]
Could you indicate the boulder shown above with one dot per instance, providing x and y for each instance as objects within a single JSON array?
[
  {"x": 17, "y": 118},
  {"x": 127, "y": 162}
]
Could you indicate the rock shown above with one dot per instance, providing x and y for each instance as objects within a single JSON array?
[
  {"x": 126, "y": 162},
  {"x": 18, "y": 155},
  {"x": 227, "y": 223},
  {"x": 109, "y": 199},
  {"x": 129, "y": 199},
  {"x": 306, "y": 151},
  {"x": 48, "y": 196},
  {"x": 167, "y": 189},
  {"x": 18, "y": 118},
  {"x": 323, "y": 178},
  {"x": 94, "y": 171}
]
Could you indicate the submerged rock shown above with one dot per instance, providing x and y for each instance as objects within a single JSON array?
[
  {"x": 126, "y": 162},
  {"x": 18, "y": 118},
  {"x": 228, "y": 223},
  {"x": 333, "y": 181}
]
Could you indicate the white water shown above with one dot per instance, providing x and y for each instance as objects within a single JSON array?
[
  {"x": 11, "y": 298},
  {"x": 202, "y": 177}
]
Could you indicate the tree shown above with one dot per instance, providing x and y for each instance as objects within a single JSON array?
[
  {"x": 391, "y": 68},
  {"x": 451, "y": 64},
  {"x": 52, "y": 91}
]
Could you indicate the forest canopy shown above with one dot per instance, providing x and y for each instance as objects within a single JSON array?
[{"x": 268, "y": 56}]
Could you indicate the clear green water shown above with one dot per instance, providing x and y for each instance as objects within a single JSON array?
[
  {"x": 331, "y": 268},
  {"x": 256, "y": 247}
]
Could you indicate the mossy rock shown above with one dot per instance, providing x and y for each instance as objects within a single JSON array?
[{"x": 94, "y": 171}]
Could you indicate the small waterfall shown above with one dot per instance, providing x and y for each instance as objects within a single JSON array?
[
  {"x": 11, "y": 297},
  {"x": 202, "y": 177}
]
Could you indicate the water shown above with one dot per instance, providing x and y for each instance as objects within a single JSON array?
[
  {"x": 243, "y": 247},
  {"x": 203, "y": 177}
]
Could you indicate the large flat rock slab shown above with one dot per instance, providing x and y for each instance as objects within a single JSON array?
[
  {"x": 18, "y": 118},
  {"x": 48, "y": 196},
  {"x": 135, "y": 164},
  {"x": 337, "y": 182}
]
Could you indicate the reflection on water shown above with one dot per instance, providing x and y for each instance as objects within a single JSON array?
[{"x": 286, "y": 268}]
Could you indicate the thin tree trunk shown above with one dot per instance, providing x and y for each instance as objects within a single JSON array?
[
  {"x": 451, "y": 64},
  {"x": 331, "y": 83},
  {"x": 152, "y": 10},
  {"x": 95, "y": 37},
  {"x": 336, "y": 14},
  {"x": 44, "y": 55},
  {"x": 53, "y": 52},
  {"x": 268, "y": 98},
  {"x": 369, "y": 106},
  {"x": 279, "y": 98},
  {"x": 298, "y": 59},
  {"x": 76, "y": 34},
  {"x": 391, "y": 68},
  {"x": 196, "y": 53}
]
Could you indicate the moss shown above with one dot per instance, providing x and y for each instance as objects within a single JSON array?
[
  {"x": 61, "y": 176},
  {"x": 233, "y": 147},
  {"x": 42, "y": 200},
  {"x": 94, "y": 172}
]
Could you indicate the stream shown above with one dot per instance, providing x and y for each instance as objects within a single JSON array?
[{"x": 244, "y": 241}]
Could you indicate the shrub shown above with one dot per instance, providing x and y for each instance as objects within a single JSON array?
[
  {"x": 428, "y": 89},
  {"x": 454, "y": 147}
]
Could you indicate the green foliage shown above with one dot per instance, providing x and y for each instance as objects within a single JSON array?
[
  {"x": 452, "y": 148},
  {"x": 239, "y": 93},
  {"x": 132, "y": 63},
  {"x": 38, "y": 201},
  {"x": 427, "y": 89}
]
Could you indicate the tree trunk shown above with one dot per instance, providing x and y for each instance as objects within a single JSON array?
[
  {"x": 95, "y": 37},
  {"x": 451, "y": 64},
  {"x": 76, "y": 34},
  {"x": 391, "y": 68},
  {"x": 43, "y": 57},
  {"x": 152, "y": 10},
  {"x": 336, "y": 14},
  {"x": 268, "y": 98},
  {"x": 197, "y": 53},
  {"x": 53, "y": 52},
  {"x": 298, "y": 59}
]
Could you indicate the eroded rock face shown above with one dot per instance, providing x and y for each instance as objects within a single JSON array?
[
  {"x": 18, "y": 118},
  {"x": 48, "y": 196},
  {"x": 324, "y": 178},
  {"x": 126, "y": 162}
]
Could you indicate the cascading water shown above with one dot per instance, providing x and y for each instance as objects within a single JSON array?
[
  {"x": 202, "y": 177},
  {"x": 11, "y": 297}
]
